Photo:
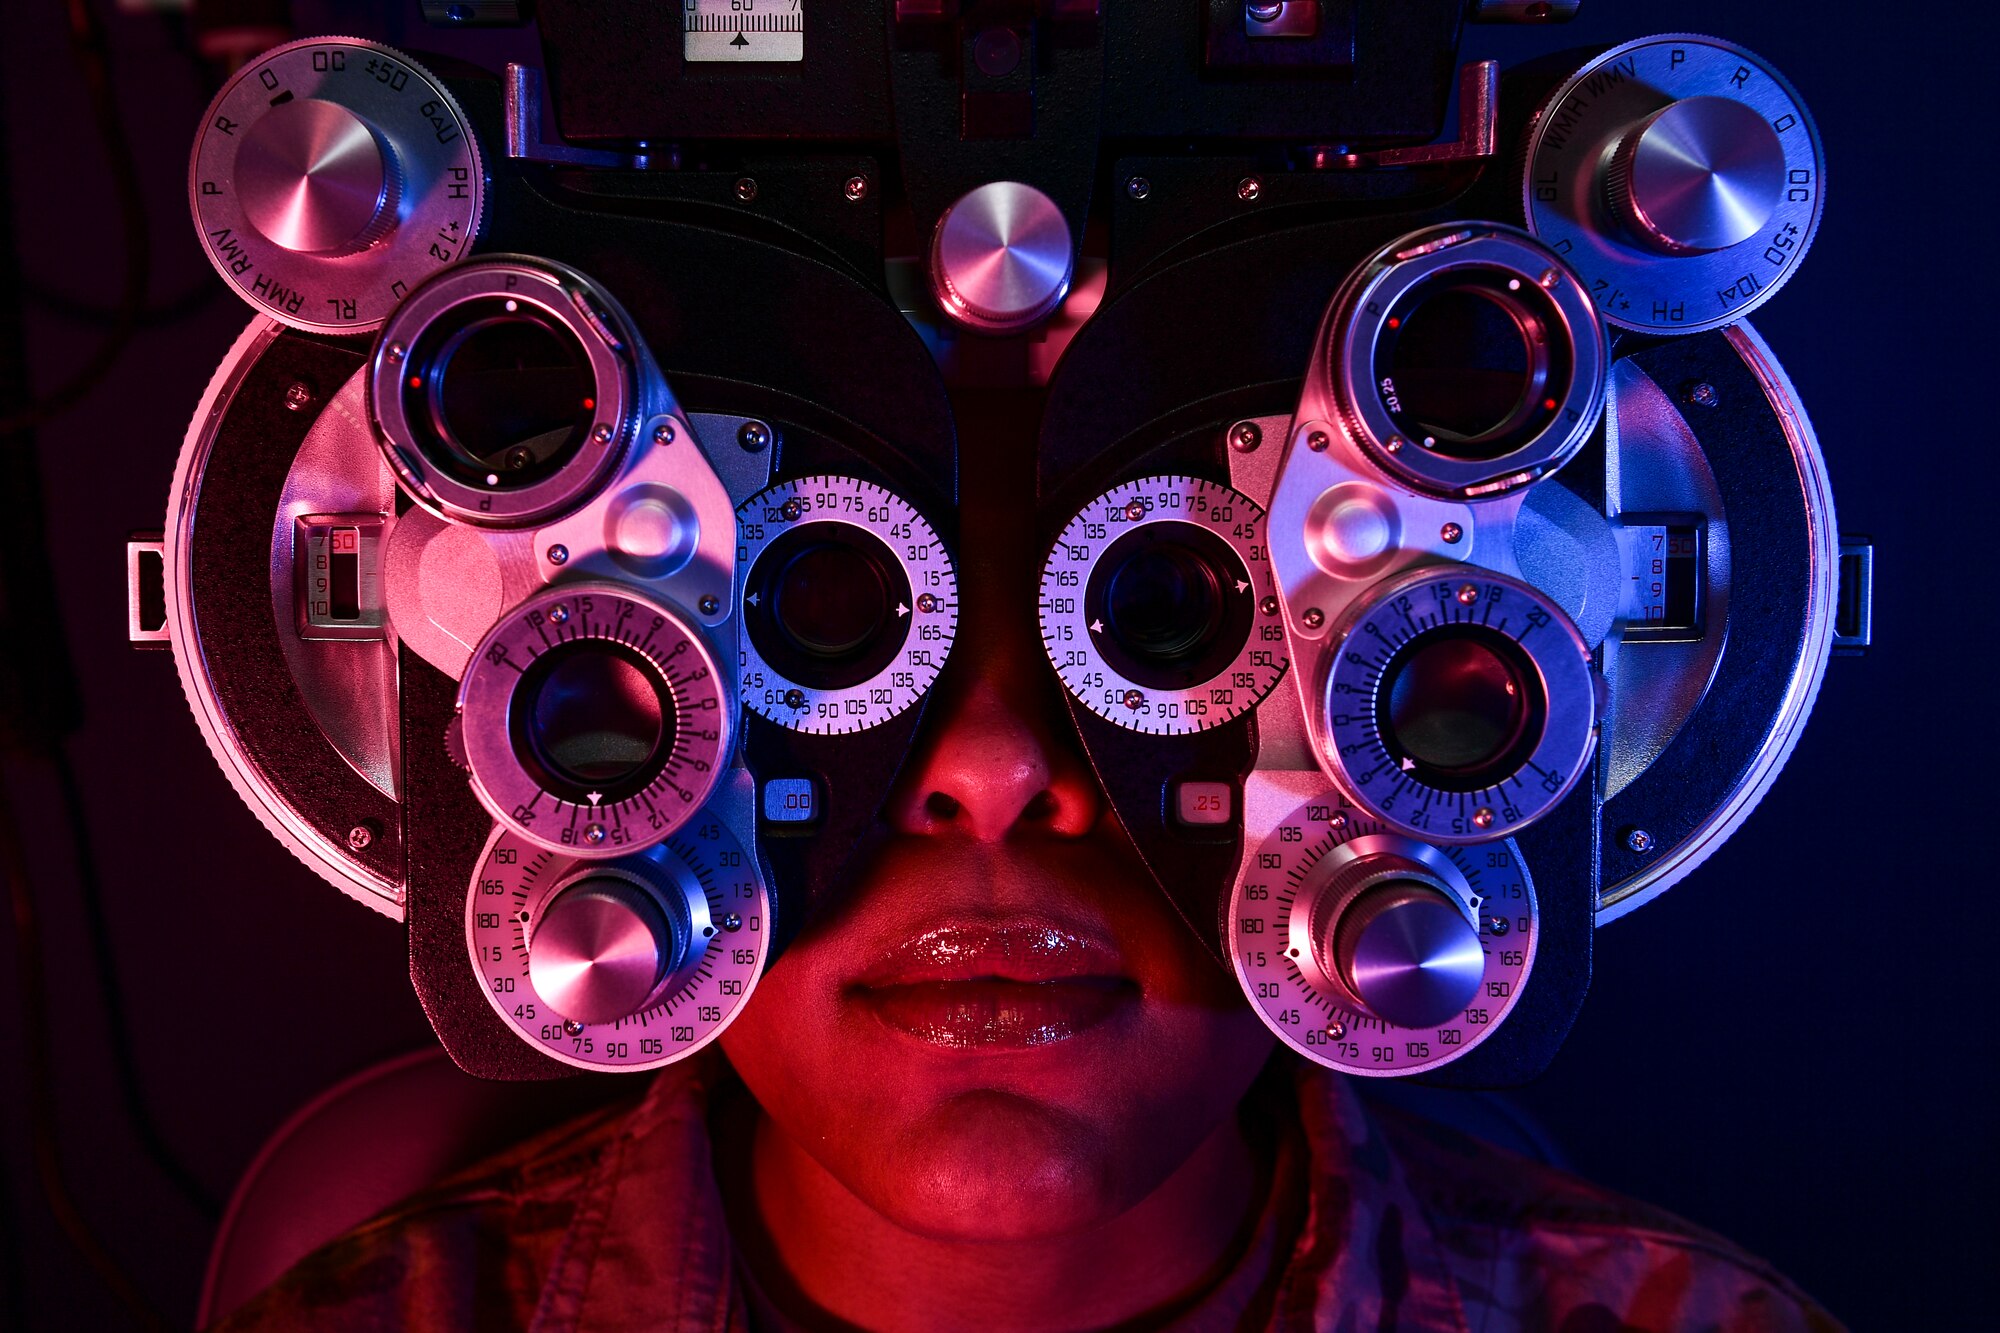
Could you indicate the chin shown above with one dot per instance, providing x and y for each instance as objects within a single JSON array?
[{"x": 992, "y": 1165}]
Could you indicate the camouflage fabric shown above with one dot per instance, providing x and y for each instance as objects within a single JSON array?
[{"x": 1378, "y": 1222}]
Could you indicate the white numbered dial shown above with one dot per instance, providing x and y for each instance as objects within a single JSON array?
[
  {"x": 850, "y": 604},
  {"x": 1297, "y": 922},
  {"x": 709, "y": 938},
  {"x": 331, "y": 176},
  {"x": 1159, "y": 609}
]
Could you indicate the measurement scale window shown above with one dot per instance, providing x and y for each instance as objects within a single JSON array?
[
  {"x": 1663, "y": 577},
  {"x": 742, "y": 30}
]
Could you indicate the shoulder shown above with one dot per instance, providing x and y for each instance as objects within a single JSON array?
[
  {"x": 471, "y": 1251},
  {"x": 1533, "y": 1247}
]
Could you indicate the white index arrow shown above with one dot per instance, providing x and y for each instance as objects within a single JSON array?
[
  {"x": 1241, "y": 585},
  {"x": 1097, "y": 627},
  {"x": 1408, "y": 764},
  {"x": 902, "y": 610},
  {"x": 595, "y": 797},
  {"x": 752, "y": 599}
]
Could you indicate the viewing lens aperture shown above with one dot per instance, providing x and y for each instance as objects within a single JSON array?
[
  {"x": 828, "y": 605},
  {"x": 1172, "y": 605},
  {"x": 499, "y": 393},
  {"x": 591, "y": 714},
  {"x": 1463, "y": 705}
]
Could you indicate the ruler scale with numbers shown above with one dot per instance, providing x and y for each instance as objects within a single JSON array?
[{"x": 756, "y": 30}]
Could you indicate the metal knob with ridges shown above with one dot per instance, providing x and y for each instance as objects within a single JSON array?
[
  {"x": 1399, "y": 944},
  {"x": 316, "y": 180},
  {"x": 602, "y": 948},
  {"x": 1001, "y": 258},
  {"x": 1696, "y": 176}
]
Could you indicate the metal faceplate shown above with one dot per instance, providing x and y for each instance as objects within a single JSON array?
[
  {"x": 728, "y": 929},
  {"x": 1072, "y": 629},
  {"x": 330, "y": 177},
  {"x": 1272, "y": 915},
  {"x": 928, "y": 620},
  {"x": 1578, "y": 181}
]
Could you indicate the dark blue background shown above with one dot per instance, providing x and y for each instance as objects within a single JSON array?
[{"x": 1791, "y": 1048}]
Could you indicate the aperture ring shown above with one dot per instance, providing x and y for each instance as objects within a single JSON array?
[
  {"x": 1426, "y": 605},
  {"x": 550, "y": 293}
]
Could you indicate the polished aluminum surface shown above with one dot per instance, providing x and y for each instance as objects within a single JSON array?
[
  {"x": 1408, "y": 954},
  {"x": 1640, "y": 269},
  {"x": 1309, "y": 857},
  {"x": 315, "y": 180},
  {"x": 1002, "y": 257},
  {"x": 703, "y": 885},
  {"x": 600, "y": 948},
  {"x": 330, "y": 176},
  {"x": 1702, "y": 174}
]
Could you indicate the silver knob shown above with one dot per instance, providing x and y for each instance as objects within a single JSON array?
[
  {"x": 1001, "y": 258},
  {"x": 315, "y": 179},
  {"x": 1402, "y": 948},
  {"x": 1700, "y": 175},
  {"x": 602, "y": 948}
]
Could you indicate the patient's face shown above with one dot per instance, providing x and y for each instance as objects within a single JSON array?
[{"x": 1004, "y": 1030}]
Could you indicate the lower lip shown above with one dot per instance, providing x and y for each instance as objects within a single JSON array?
[{"x": 994, "y": 1014}]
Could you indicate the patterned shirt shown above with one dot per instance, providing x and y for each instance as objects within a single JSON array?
[{"x": 1376, "y": 1221}]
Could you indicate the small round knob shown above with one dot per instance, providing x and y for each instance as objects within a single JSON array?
[
  {"x": 316, "y": 180},
  {"x": 1001, "y": 259},
  {"x": 601, "y": 950},
  {"x": 1400, "y": 946},
  {"x": 1700, "y": 175}
]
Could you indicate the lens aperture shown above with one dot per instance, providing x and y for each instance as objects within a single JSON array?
[
  {"x": 1173, "y": 602},
  {"x": 1463, "y": 705},
  {"x": 500, "y": 396},
  {"x": 592, "y": 715},
  {"x": 828, "y": 605}
]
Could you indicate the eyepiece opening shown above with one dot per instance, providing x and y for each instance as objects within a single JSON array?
[
  {"x": 1461, "y": 707},
  {"x": 828, "y": 605},
  {"x": 1173, "y": 604},
  {"x": 592, "y": 715}
]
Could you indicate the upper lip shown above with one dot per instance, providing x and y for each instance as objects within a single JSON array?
[{"x": 1020, "y": 948}]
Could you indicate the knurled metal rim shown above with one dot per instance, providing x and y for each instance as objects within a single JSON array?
[
  {"x": 295, "y": 288},
  {"x": 1348, "y": 703},
  {"x": 515, "y": 798},
  {"x": 589, "y": 314},
  {"x": 1372, "y": 291}
]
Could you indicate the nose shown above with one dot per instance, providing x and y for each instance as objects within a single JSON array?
[{"x": 991, "y": 763}]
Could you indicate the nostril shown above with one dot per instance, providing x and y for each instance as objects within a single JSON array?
[
  {"x": 938, "y": 805},
  {"x": 1040, "y": 809}
]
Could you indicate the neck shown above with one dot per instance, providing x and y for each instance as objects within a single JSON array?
[{"x": 822, "y": 1251}]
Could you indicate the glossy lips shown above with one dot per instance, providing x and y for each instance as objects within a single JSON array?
[{"x": 1015, "y": 984}]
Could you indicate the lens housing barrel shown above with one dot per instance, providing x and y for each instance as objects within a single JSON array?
[
  {"x": 1459, "y": 706},
  {"x": 503, "y": 391},
  {"x": 1467, "y": 360}
]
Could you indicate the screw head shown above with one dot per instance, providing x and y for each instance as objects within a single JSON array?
[
  {"x": 732, "y": 921},
  {"x": 593, "y": 834},
  {"x": 1249, "y": 188},
  {"x": 1337, "y": 821},
  {"x": 1482, "y": 817},
  {"x": 1318, "y": 440},
  {"x": 746, "y": 188},
  {"x": 1497, "y": 924},
  {"x": 1313, "y": 618},
  {"x": 1137, "y": 187},
  {"x": 394, "y": 352},
  {"x": 602, "y": 434},
  {"x": 298, "y": 396},
  {"x": 1468, "y": 593},
  {"x": 1638, "y": 841},
  {"x": 1245, "y": 436},
  {"x": 1703, "y": 395},
  {"x": 559, "y": 614},
  {"x": 1269, "y": 606},
  {"x": 791, "y": 509},
  {"x": 558, "y": 555},
  {"x": 571, "y": 1026},
  {"x": 709, "y": 604},
  {"x": 1395, "y": 444},
  {"x": 663, "y": 433},
  {"x": 855, "y": 189},
  {"x": 927, "y": 602},
  {"x": 754, "y": 436},
  {"x": 1451, "y": 532},
  {"x": 1135, "y": 511},
  {"x": 1550, "y": 279},
  {"x": 361, "y": 836},
  {"x": 1336, "y": 1030},
  {"x": 1134, "y": 700},
  {"x": 795, "y": 698}
]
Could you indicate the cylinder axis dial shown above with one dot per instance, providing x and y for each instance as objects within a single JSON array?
[
  {"x": 593, "y": 720},
  {"x": 330, "y": 177},
  {"x": 1158, "y": 606},
  {"x": 625, "y": 964},
  {"x": 850, "y": 604},
  {"x": 1377, "y": 954},
  {"x": 1681, "y": 177},
  {"x": 1460, "y": 706}
]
